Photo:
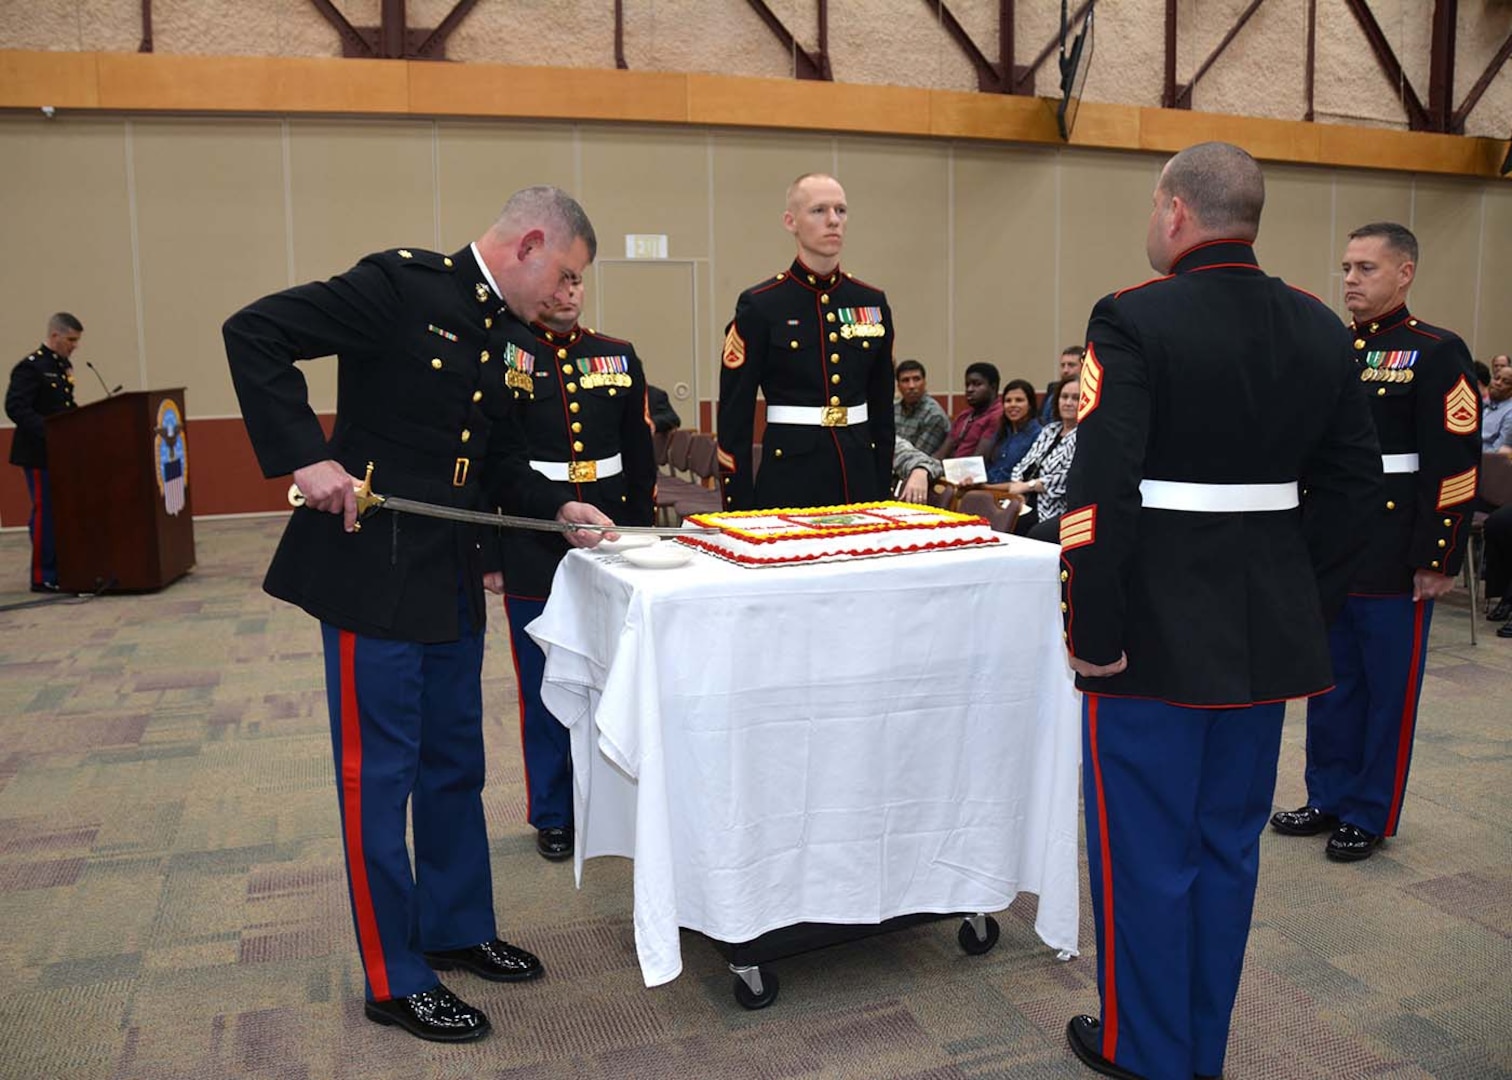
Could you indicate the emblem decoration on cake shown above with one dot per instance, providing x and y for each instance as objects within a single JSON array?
[{"x": 833, "y": 533}]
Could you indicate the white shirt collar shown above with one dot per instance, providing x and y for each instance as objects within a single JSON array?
[{"x": 483, "y": 266}]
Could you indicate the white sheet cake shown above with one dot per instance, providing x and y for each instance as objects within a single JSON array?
[{"x": 834, "y": 533}]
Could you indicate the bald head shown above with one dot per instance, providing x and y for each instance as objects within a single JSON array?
[
  {"x": 1222, "y": 187},
  {"x": 799, "y": 190}
]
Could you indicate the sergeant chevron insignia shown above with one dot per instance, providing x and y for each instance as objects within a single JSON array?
[{"x": 1461, "y": 412}]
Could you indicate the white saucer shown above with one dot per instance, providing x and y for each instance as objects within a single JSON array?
[
  {"x": 659, "y": 556},
  {"x": 626, "y": 542}
]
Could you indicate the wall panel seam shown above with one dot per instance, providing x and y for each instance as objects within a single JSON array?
[
  {"x": 1480, "y": 268},
  {"x": 435, "y": 126},
  {"x": 286, "y": 140},
  {"x": 713, "y": 276},
  {"x": 950, "y": 256},
  {"x": 136, "y": 254}
]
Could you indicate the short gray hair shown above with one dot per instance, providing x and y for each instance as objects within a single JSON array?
[
  {"x": 64, "y": 323},
  {"x": 543, "y": 204},
  {"x": 1398, "y": 237},
  {"x": 1221, "y": 185}
]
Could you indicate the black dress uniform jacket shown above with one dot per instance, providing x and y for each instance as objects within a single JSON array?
[
  {"x": 421, "y": 395},
  {"x": 1421, "y": 385},
  {"x": 811, "y": 340},
  {"x": 1215, "y": 374},
  {"x": 581, "y": 397},
  {"x": 40, "y": 385}
]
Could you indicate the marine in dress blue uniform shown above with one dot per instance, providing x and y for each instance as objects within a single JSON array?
[
  {"x": 40, "y": 385},
  {"x": 1225, "y": 451},
  {"x": 581, "y": 396},
  {"x": 818, "y": 343},
  {"x": 1421, "y": 385},
  {"x": 421, "y": 395}
]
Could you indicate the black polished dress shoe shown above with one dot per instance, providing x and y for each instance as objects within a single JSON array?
[
  {"x": 1505, "y": 631},
  {"x": 45, "y": 586},
  {"x": 1303, "y": 821},
  {"x": 1084, "y": 1035},
  {"x": 1502, "y": 612},
  {"x": 555, "y": 843},
  {"x": 1350, "y": 843},
  {"x": 437, "y": 1015},
  {"x": 497, "y": 961}
]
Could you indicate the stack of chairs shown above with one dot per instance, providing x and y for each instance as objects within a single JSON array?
[
  {"x": 703, "y": 497},
  {"x": 689, "y": 481},
  {"x": 1494, "y": 490},
  {"x": 1000, "y": 513}
]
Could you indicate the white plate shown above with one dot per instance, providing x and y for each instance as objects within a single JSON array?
[
  {"x": 661, "y": 556},
  {"x": 626, "y": 542}
]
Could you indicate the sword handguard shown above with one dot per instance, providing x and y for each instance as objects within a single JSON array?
[{"x": 367, "y": 500}]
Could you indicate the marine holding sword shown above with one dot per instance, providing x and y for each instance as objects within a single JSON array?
[{"x": 421, "y": 395}]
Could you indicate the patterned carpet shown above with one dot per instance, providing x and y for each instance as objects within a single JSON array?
[{"x": 173, "y": 904}]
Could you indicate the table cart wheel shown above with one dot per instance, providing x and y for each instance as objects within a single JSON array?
[
  {"x": 978, "y": 934},
  {"x": 755, "y": 987}
]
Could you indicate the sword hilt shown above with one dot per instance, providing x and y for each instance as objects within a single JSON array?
[{"x": 367, "y": 501}]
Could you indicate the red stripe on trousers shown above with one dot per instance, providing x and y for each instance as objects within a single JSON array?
[
  {"x": 1409, "y": 717},
  {"x": 368, "y": 939},
  {"x": 1110, "y": 988},
  {"x": 36, "y": 526},
  {"x": 514, "y": 658}
]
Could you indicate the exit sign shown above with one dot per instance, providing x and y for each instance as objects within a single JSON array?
[{"x": 645, "y": 246}]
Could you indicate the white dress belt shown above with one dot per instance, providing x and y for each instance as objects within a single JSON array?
[
  {"x": 1399, "y": 463},
  {"x": 580, "y": 472},
  {"x": 1217, "y": 498},
  {"x": 817, "y": 415}
]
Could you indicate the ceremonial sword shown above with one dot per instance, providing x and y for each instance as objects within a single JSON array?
[{"x": 369, "y": 501}]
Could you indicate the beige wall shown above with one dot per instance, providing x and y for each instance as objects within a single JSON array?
[
  {"x": 153, "y": 230},
  {"x": 895, "y": 42}
]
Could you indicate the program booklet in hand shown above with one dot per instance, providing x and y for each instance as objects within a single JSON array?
[{"x": 966, "y": 470}]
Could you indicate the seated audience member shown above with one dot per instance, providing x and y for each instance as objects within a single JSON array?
[
  {"x": 1069, "y": 365},
  {"x": 1496, "y": 415},
  {"x": 1499, "y": 567},
  {"x": 917, "y": 417},
  {"x": 1499, "y": 361},
  {"x": 975, "y": 427},
  {"x": 1040, "y": 477},
  {"x": 913, "y": 471},
  {"x": 1020, "y": 428},
  {"x": 663, "y": 416},
  {"x": 1483, "y": 380}
]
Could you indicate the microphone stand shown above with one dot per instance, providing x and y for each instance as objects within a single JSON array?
[{"x": 108, "y": 392}]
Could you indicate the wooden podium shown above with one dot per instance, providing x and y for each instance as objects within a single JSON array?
[{"x": 122, "y": 515}]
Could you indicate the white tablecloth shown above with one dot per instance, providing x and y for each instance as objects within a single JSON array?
[{"x": 838, "y": 743}]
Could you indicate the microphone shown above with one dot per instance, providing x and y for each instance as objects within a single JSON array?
[{"x": 108, "y": 392}]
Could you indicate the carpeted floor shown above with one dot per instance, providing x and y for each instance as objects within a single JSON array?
[{"x": 173, "y": 904}]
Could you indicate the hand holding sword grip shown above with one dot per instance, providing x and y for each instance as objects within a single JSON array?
[
  {"x": 581, "y": 513},
  {"x": 325, "y": 485}
]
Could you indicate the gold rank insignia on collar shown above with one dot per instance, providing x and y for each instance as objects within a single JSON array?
[{"x": 482, "y": 292}]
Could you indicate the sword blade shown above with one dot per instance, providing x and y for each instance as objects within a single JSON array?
[{"x": 481, "y": 517}]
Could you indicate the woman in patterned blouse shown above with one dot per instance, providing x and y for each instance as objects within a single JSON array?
[{"x": 1040, "y": 476}]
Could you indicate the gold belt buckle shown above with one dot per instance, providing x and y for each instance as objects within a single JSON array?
[
  {"x": 835, "y": 416},
  {"x": 459, "y": 472},
  {"x": 582, "y": 472}
]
